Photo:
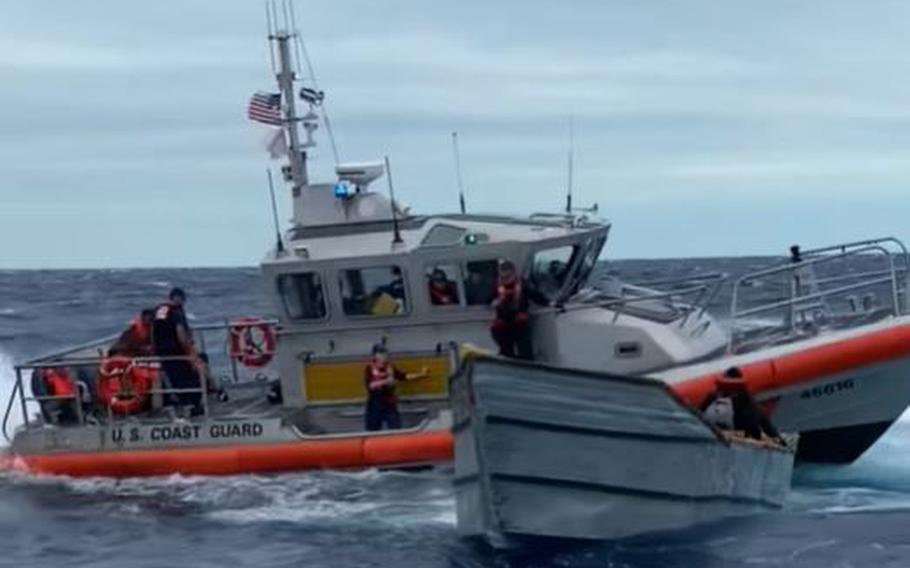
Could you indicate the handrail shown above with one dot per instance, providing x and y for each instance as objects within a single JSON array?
[
  {"x": 18, "y": 390},
  {"x": 797, "y": 302},
  {"x": 215, "y": 326},
  {"x": 683, "y": 308},
  {"x": 691, "y": 278},
  {"x": 794, "y": 267},
  {"x": 9, "y": 409},
  {"x": 809, "y": 297}
]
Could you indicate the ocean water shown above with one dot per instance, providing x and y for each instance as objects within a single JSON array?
[{"x": 857, "y": 515}]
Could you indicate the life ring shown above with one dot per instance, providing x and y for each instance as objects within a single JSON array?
[
  {"x": 252, "y": 341},
  {"x": 123, "y": 386}
]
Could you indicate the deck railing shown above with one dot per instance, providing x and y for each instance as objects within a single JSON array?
[
  {"x": 207, "y": 336},
  {"x": 806, "y": 293}
]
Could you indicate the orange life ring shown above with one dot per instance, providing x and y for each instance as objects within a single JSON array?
[
  {"x": 253, "y": 341},
  {"x": 123, "y": 386}
]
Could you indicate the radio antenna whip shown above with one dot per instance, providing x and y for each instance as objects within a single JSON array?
[
  {"x": 396, "y": 236},
  {"x": 461, "y": 202},
  {"x": 279, "y": 244},
  {"x": 571, "y": 157},
  {"x": 300, "y": 46}
]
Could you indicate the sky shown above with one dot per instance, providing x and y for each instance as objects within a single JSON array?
[{"x": 702, "y": 128}]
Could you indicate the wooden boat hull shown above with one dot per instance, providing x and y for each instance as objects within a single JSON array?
[{"x": 547, "y": 452}]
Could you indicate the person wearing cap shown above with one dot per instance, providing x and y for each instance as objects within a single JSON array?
[
  {"x": 136, "y": 340},
  {"x": 172, "y": 340},
  {"x": 511, "y": 329},
  {"x": 732, "y": 407},
  {"x": 380, "y": 378}
]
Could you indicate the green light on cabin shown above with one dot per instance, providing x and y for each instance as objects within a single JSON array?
[{"x": 470, "y": 239}]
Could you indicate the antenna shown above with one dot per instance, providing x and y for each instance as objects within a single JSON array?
[
  {"x": 396, "y": 237},
  {"x": 458, "y": 172},
  {"x": 271, "y": 32},
  {"x": 279, "y": 245},
  {"x": 571, "y": 156},
  {"x": 300, "y": 47}
]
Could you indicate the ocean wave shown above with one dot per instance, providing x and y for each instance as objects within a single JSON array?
[{"x": 370, "y": 497}]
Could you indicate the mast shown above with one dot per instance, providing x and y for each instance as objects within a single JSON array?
[{"x": 285, "y": 77}]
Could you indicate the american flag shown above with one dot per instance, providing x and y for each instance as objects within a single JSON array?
[{"x": 265, "y": 108}]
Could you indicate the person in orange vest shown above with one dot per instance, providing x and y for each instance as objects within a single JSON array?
[
  {"x": 136, "y": 340},
  {"x": 57, "y": 382},
  {"x": 443, "y": 292},
  {"x": 380, "y": 378},
  {"x": 512, "y": 327}
]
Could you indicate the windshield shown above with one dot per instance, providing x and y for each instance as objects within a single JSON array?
[
  {"x": 552, "y": 267},
  {"x": 587, "y": 264}
]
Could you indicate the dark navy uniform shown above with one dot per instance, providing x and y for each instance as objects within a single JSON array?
[{"x": 166, "y": 343}]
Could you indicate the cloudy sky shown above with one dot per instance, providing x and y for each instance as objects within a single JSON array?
[{"x": 702, "y": 128}]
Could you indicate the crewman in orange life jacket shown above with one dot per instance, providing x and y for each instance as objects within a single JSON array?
[
  {"x": 136, "y": 340},
  {"x": 57, "y": 382},
  {"x": 512, "y": 327},
  {"x": 443, "y": 292},
  {"x": 380, "y": 378}
]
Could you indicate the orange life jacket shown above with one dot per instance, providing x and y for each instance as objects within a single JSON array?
[
  {"x": 142, "y": 332},
  {"x": 59, "y": 382},
  {"x": 378, "y": 373},
  {"x": 510, "y": 305},
  {"x": 441, "y": 296}
]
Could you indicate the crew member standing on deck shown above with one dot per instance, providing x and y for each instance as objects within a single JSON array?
[
  {"x": 512, "y": 327},
  {"x": 171, "y": 338},
  {"x": 380, "y": 378},
  {"x": 136, "y": 340}
]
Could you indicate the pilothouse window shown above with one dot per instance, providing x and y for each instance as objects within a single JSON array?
[
  {"x": 480, "y": 281},
  {"x": 378, "y": 291},
  {"x": 302, "y": 295},
  {"x": 551, "y": 268}
]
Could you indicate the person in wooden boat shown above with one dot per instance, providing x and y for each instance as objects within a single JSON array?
[
  {"x": 443, "y": 292},
  {"x": 172, "y": 340},
  {"x": 732, "y": 407},
  {"x": 380, "y": 378},
  {"x": 512, "y": 327},
  {"x": 136, "y": 340}
]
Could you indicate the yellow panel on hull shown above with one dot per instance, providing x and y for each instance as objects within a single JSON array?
[{"x": 342, "y": 381}]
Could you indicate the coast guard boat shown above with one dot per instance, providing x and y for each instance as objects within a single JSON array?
[{"x": 830, "y": 360}]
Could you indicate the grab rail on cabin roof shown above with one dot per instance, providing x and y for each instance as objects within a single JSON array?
[
  {"x": 798, "y": 304},
  {"x": 673, "y": 300}
]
